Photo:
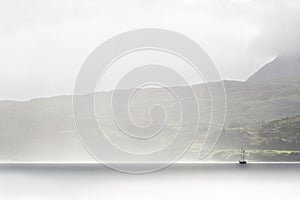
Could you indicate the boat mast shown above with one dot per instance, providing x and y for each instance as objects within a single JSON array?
[{"x": 243, "y": 154}]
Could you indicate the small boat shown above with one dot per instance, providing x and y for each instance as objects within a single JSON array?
[{"x": 242, "y": 161}]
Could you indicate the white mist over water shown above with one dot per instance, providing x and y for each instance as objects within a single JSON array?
[{"x": 206, "y": 181}]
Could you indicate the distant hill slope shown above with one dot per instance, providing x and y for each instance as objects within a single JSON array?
[
  {"x": 281, "y": 68},
  {"x": 276, "y": 140},
  {"x": 43, "y": 129}
]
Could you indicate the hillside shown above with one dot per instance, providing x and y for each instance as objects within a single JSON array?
[
  {"x": 43, "y": 129},
  {"x": 277, "y": 140}
]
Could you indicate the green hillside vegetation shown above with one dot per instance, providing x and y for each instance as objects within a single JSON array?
[{"x": 276, "y": 140}]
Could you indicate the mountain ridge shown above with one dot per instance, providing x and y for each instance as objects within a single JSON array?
[{"x": 281, "y": 67}]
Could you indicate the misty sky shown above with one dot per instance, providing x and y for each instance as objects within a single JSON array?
[{"x": 44, "y": 43}]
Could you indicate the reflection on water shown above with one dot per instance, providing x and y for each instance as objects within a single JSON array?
[{"x": 180, "y": 181}]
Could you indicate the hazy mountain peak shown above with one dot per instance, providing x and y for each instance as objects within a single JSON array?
[{"x": 283, "y": 67}]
